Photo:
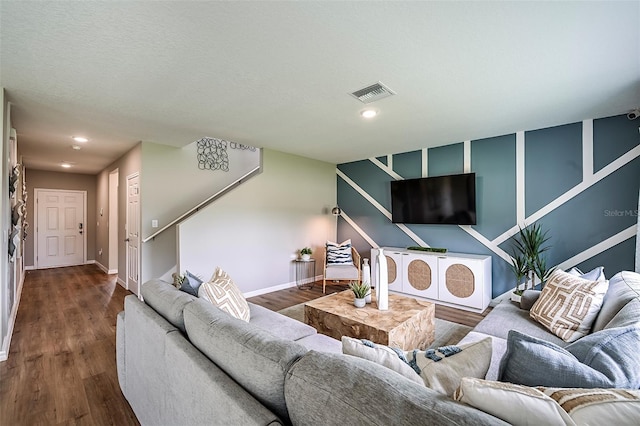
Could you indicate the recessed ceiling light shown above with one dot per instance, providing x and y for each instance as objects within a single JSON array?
[
  {"x": 369, "y": 113},
  {"x": 65, "y": 165},
  {"x": 76, "y": 147},
  {"x": 80, "y": 139}
]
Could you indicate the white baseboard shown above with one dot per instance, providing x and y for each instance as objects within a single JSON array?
[
  {"x": 105, "y": 270},
  {"x": 90, "y": 262},
  {"x": 29, "y": 268},
  {"x": 6, "y": 344},
  {"x": 121, "y": 282},
  {"x": 269, "y": 289}
]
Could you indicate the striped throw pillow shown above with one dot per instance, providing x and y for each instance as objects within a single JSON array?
[
  {"x": 339, "y": 254},
  {"x": 222, "y": 292}
]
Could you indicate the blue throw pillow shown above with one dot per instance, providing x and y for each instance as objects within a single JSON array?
[
  {"x": 190, "y": 284},
  {"x": 339, "y": 254},
  {"x": 534, "y": 362},
  {"x": 615, "y": 352}
]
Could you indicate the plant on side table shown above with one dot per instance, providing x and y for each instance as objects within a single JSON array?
[
  {"x": 527, "y": 261},
  {"x": 360, "y": 290},
  {"x": 305, "y": 253}
]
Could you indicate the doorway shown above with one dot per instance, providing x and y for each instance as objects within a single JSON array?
[
  {"x": 113, "y": 222},
  {"x": 133, "y": 233},
  {"x": 61, "y": 237}
]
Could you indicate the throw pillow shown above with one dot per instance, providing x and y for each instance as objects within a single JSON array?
[
  {"x": 443, "y": 368},
  {"x": 535, "y": 362},
  {"x": 222, "y": 292},
  {"x": 596, "y": 274},
  {"x": 568, "y": 305},
  {"x": 339, "y": 254},
  {"x": 515, "y": 404},
  {"x": 393, "y": 359},
  {"x": 440, "y": 369},
  {"x": 598, "y": 406},
  {"x": 614, "y": 352},
  {"x": 190, "y": 284}
]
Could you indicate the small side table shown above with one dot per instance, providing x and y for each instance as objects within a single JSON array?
[{"x": 305, "y": 273}]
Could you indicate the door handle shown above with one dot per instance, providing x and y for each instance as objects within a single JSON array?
[{"x": 126, "y": 240}]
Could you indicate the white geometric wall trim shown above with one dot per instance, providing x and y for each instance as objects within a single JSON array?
[
  {"x": 366, "y": 196},
  {"x": 425, "y": 162},
  {"x": 487, "y": 243},
  {"x": 576, "y": 190},
  {"x": 412, "y": 234},
  {"x": 378, "y": 206},
  {"x": 610, "y": 242},
  {"x": 359, "y": 230},
  {"x": 466, "y": 157},
  {"x": 520, "y": 179},
  {"x": 388, "y": 169}
]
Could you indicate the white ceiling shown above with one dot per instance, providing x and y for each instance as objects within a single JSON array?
[{"x": 279, "y": 74}]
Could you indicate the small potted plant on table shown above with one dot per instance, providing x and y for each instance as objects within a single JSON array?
[
  {"x": 360, "y": 290},
  {"x": 305, "y": 254}
]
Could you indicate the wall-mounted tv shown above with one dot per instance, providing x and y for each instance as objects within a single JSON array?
[{"x": 447, "y": 199}]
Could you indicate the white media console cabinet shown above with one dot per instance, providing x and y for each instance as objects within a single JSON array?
[{"x": 454, "y": 279}]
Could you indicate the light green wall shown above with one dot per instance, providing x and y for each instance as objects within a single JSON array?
[{"x": 255, "y": 231}]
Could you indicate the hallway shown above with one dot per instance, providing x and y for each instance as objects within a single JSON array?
[{"x": 61, "y": 367}]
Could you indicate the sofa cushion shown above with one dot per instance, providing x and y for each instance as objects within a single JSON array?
[
  {"x": 321, "y": 343},
  {"x": 254, "y": 358},
  {"x": 623, "y": 287},
  {"x": 628, "y": 315},
  {"x": 166, "y": 300},
  {"x": 568, "y": 305},
  {"x": 516, "y": 404},
  {"x": 604, "y": 361},
  {"x": 278, "y": 324},
  {"x": 334, "y": 389},
  {"x": 222, "y": 292},
  {"x": 506, "y": 315}
]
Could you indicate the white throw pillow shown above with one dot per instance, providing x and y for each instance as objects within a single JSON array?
[
  {"x": 440, "y": 369},
  {"x": 598, "y": 406},
  {"x": 222, "y": 292},
  {"x": 339, "y": 254},
  {"x": 515, "y": 404},
  {"x": 568, "y": 305}
]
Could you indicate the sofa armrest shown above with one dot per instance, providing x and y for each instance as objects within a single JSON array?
[
  {"x": 120, "y": 357},
  {"x": 529, "y": 297}
]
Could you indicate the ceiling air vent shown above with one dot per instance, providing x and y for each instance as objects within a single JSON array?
[{"x": 372, "y": 93}]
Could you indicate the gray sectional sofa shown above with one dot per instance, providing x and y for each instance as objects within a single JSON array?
[{"x": 182, "y": 361}]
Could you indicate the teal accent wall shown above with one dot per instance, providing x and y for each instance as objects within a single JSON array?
[
  {"x": 553, "y": 164},
  {"x": 581, "y": 228},
  {"x": 496, "y": 210},
  {"x": 408, "y": 164},
  {"x": 446, "y": 160}
]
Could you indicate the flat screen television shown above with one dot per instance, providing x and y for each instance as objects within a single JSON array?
[{"x": 447, "y": 199}]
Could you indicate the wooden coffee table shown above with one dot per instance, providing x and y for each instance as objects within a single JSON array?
[{"x": 408, "y": 324}]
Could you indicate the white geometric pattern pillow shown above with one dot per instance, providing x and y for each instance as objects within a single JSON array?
[
  {"x": 339, "y": 254},
  {"x": 568, "y": 305},
  {"x": 222, "y": 292}
]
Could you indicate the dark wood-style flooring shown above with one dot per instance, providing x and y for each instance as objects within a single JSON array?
[{"x": 61, "y": 367}]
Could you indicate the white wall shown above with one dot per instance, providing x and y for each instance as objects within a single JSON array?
[
  {"x": 172, "y": 184},
  {"x": 255, "y": 231}
]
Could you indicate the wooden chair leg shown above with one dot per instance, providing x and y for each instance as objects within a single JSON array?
[{"x": 324, "y": 284}]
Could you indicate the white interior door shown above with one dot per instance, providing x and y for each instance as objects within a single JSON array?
[
  {"x": 60, "y": 228},
  {"x": 133, "y": 233}
]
